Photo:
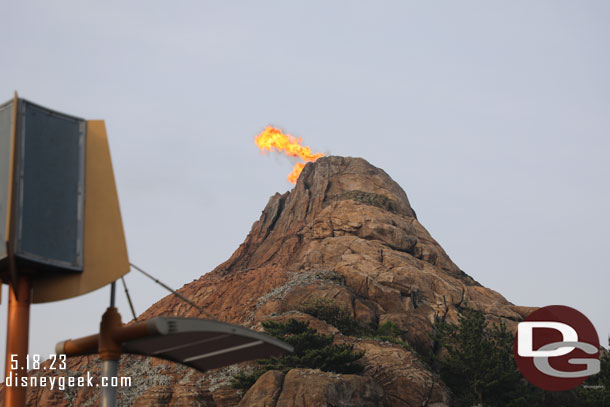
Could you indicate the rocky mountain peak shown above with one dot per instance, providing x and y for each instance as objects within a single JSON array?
[
  {"x": 338, "y": 178},
  {"x": 339, "y": 196},
  {"x": 345, "y": 235}
]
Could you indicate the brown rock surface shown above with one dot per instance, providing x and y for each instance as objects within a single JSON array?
[
  {"x": 306, "y": 387},
  {"x": 265, "y": 391},
  {"x": 346, "y": 232},
  {"x": 405, "y": 380}
]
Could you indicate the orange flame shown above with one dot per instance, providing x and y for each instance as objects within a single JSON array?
[{"x": 272, "y": 139}]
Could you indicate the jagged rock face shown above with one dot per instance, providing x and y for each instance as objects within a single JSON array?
[
  {"x": 346, "y": 232},
  {"x": 305, "y": 388}
]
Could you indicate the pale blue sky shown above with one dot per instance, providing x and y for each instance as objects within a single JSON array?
[{"x": 493, "y": 116}]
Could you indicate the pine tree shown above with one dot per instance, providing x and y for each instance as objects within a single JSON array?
[
  {"x": 595, "y": 391},
  {"x": 479, "y": 366},
  {"x": 311, "y": 351}
]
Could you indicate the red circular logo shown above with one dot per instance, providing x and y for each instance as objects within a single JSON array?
[{"x": 556, "y": 348}]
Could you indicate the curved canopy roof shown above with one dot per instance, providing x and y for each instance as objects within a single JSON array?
[{"x": 204, "y": 344}]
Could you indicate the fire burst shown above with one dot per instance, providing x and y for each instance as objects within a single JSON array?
[{"x": 272, "y": 139}]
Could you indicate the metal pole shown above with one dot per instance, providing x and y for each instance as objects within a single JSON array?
[
  {"x": 110, "y": 370},
  {"x": 110, "y": 351},
  {"x": 133, "y": 311},
  {"x": 18, "y": 324},
  {"x": 112, "y": 291},
  {"x": 177, "y": 294}
]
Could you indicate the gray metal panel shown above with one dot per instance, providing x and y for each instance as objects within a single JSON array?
[
  {"x": 51, "y": 162},
  {"x": 6, "y": 118},
  {"x": 205, "y": 344}
]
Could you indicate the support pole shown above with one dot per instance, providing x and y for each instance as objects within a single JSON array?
[
  {"x": 133, "y": 311},
  {"x": 110, "y": 370},
  {"x": 112, "y": 293},
  {"x": 110, "y": 351},
  {"x": 18, "y": 324}
]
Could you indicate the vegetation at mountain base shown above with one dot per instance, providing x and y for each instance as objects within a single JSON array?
[
  {"x": 315, "y": 351},
  {"x": 595, "y": 391},
  {"x": 328, "y": 311},
  {"x": 474, "y": 358},
  {"x": 311, "y": 351},
  {"x": 476, "y": 361}
]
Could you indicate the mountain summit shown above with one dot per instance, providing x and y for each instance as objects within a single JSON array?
[
  {"x": 347, "y": 218},
  {"x": 345, "y": 235}
]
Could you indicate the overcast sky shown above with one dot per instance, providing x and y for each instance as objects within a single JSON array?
[{"x": 493, "y": 116}]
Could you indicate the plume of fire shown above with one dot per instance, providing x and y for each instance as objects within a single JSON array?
[{"x": 272, "y": 139}]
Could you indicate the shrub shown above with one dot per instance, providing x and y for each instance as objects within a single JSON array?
[
  {"x": 389, "y": 332},
  {"x": 328, "y": 311},
  {"x": 311, "y": 351}
]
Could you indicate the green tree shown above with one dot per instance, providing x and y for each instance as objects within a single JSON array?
[
  {"x": 328, "y": 311},
  {"x": 311, "y": 351},
  {"x": 595, "y": 391},
  {"x": 478, "y": 364}
]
